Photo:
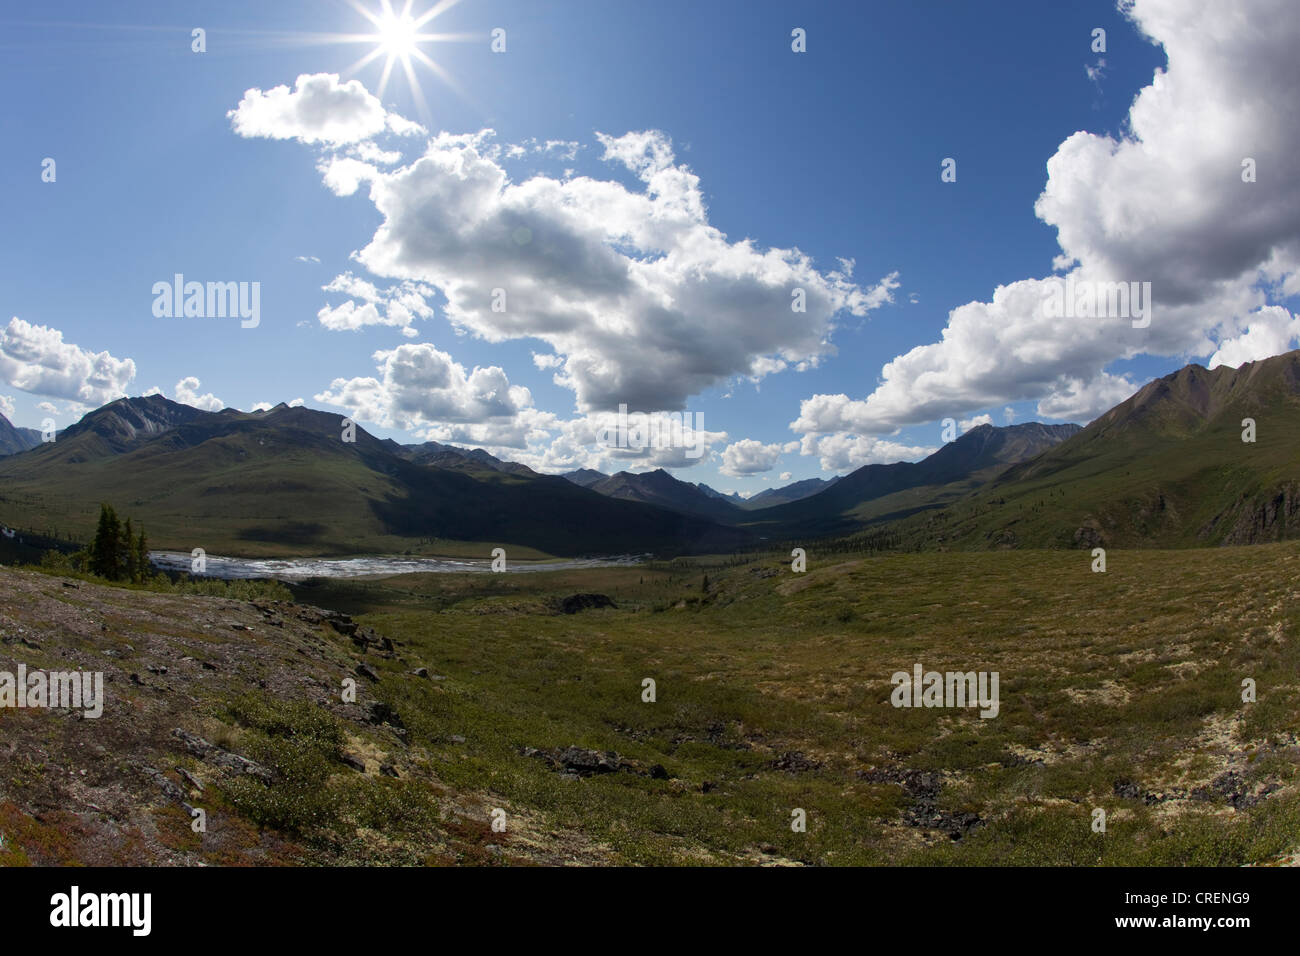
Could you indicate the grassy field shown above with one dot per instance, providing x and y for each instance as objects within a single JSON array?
[{"x": 1119, "y": 690}]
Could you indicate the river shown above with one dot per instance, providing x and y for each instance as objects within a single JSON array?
[{"x": 298, "y": 569}]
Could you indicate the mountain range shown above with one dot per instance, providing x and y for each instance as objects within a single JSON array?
[
  {"x": 660, "y": 488},
  {"x": 1167, "y": 467},
  {"x": 875, "y": 493},
  {"x": 646, "y": 486},
  {"x": 284, "y": 481}
]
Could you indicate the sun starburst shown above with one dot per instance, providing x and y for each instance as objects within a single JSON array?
[{"x": 398, "y": 38}]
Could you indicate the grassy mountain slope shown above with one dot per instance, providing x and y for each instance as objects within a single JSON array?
[{"x": 1165, "y": 468}]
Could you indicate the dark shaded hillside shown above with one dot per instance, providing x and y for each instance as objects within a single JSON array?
[
  {"x": 823, "y": 507},
  {"x": 233, "y": 481},
  {"x": 733, "y": 498},
  {"x": 460, "y": 459},
  {"x": 973, "y": 457},
  {"x": 660, "y": 488}
]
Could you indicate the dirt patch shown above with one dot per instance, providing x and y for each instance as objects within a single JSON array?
[{"x": 1110, "y": 694}]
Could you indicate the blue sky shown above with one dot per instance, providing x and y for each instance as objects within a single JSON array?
[{"x": 834, "y": 152}]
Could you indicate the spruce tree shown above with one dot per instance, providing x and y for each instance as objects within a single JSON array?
[
  {"x": 104, "y": 551},
  {"x": 128, "y": 552},
  {"x": 142, "y": 558}
]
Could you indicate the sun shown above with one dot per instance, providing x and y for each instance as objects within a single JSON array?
[
  {"x": 397, "y": 34},
  {"x": 398, "y": 38}
]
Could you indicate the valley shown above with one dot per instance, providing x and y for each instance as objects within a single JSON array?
[{"x": 663, "y": 685}]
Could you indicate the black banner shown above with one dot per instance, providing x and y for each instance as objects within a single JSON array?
[{"x": 363, "y": 905}]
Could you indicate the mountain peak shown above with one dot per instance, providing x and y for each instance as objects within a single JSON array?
[
  {"x": 1181, "y": 402},
  {"x": 123, "y": 422},
  {"x": 584, "y": 477},
  {"x": 986, "y": 446}
]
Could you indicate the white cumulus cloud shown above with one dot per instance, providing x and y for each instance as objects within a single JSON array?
[
  {"x": 187, "y": 393},
  {"x": 35, "y": 358},
  {"x": 420, "y": 385},
  {"x": 842, "y": 450},
  {"x": 645, "y": 302},
  {"x": 319, "y": 109},
  {"x": 748, "y": 457},
  {"x": 1268, "y": 332},
  {"x": 397, "y": 306}
]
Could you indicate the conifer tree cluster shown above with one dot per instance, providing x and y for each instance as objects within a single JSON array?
[{"x": 117, "y": 553}]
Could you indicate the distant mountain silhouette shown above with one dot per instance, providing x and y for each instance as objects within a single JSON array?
[
  {"x": 14, "y": 439},
  {"x": 770, "y": 497},
  {"x": 660, "y": 488}
]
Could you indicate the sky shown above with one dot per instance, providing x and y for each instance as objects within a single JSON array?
[{"x": 813, "y": 232}]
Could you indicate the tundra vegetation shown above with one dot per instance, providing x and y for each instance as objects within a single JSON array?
[{"x": 1120, "y": 691}]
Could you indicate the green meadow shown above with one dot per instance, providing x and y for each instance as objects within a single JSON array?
[{"x": 1119, "y": 691}]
